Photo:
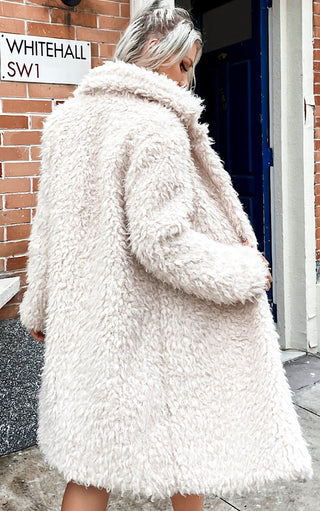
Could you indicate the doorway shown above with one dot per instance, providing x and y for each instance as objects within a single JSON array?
[{"x": 232, "y": 77}]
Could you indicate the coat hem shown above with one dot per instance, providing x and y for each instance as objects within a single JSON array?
[{"x": 226, "y": 489}]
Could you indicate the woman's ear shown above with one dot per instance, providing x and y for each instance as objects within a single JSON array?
[{"x": 151, "y": 43}]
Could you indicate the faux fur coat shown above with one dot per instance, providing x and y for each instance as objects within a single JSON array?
[{"x": 162, "y": 369}]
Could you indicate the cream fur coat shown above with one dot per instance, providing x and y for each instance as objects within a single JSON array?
[{"x": 162, "y": 367}]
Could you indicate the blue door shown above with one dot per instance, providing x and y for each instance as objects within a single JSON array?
[{"x": 232, "y": 77}]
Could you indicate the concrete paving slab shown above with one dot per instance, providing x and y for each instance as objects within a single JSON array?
[
  {"x": 309, "y": 398},
  {"x": 287, "y": 355},
  {"x": 294, "y": 495},
  {"x": 303, "y": 371},
  {"x": 28, "y": 484}
]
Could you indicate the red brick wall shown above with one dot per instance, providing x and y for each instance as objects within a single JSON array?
[
  {"x": 316, "y": 56},
  {"x": 24, "y": 106}
]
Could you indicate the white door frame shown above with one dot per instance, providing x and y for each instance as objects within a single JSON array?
[{"x": 292, "y": 139}]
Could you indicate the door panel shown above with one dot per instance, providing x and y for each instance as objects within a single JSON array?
[{"x": 232, "y": 77}]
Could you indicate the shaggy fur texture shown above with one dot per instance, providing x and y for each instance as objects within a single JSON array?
[{"x": 162, "y": 366}]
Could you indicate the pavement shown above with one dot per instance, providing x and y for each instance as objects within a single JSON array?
[{"x": 27, "y": 484}]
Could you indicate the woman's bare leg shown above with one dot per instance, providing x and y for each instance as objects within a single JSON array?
[
  {"x": 187, "y": 502},
  {"x": 79, "y": 498}
]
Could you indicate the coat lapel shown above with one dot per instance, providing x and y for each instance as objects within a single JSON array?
[{"x": 122, "y": 78}]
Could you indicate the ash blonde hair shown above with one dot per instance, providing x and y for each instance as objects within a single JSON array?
[{"x": 174, "y": 30}]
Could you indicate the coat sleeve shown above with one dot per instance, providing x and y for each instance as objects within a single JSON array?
[
  {"x": 32, "y": 308},
  {"x": 159, "y": 205}
]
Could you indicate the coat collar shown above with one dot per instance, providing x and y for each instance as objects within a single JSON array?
[{"x": 124, "y": 78}]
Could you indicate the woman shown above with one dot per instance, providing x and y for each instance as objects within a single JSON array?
[{"x": 162, "y": 373}]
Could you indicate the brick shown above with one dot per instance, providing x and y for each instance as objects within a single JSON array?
[
  {"x": 17, "y": 263},
  {"x": 9, "y": 312},
  {"x": 12, "y": 26},
  {"x": 1, "y": 233},
  {"x": 91, "y": 34},
  {"x": 317, "y": 145},
  {"x": 316, "y": 8},
  {"x": 35, "y": 184},
  {"x": 13, "y": 89},
  {"x": 84, "y": 19},
  {"x": 18, "y": 232},
  {"x": 11, "y": 248},
  {"x": 61, "y": 16},
  {"x": 20, "y": 200},
  {"x": 16, "y": 298},
  {"x": 13, "y": 153},
  {"x": 125, "y": 10},
  {"x": 23, "y": 278},
  {"x": 109, "y": 22},
  {"x": 21, "y": 137},
  {"x": 37, "y": 122},
  {"x": 107, "y": 50},
  {"x": 95, "y": 62},
  {"x": 95, "y": 50},
  {"x": 35, "y": 153},
  {"x": 39, "y": 90},
  {"x": 13, "y": 121},
  {"x": 316, "y": 88},
  {"x": 46, "y": 30},
  {"x": 317, "y": 133},
  {"x": 317, "y": 201},
  {"x": 24, "y": 11},
  {"x": 317, "y": 176},
  {"x": 74, "y": 18},
  {"x": 26, "y": 105},
  {"x": 15, "y": 216},
  {"x": 318, "y": 221},
  {"x": 50, "y": 3},
  {"x": 316, "y": 53},
  {"x": 316, "y": 66},
  {"x": 98, "y": 6},
  {"x": 13, "y": 185},
  {"x": 22, "y": 168},
  {"x": 2, "y": 261}
]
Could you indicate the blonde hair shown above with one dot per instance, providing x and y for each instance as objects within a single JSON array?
[{"x": 174, "y": 30}]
